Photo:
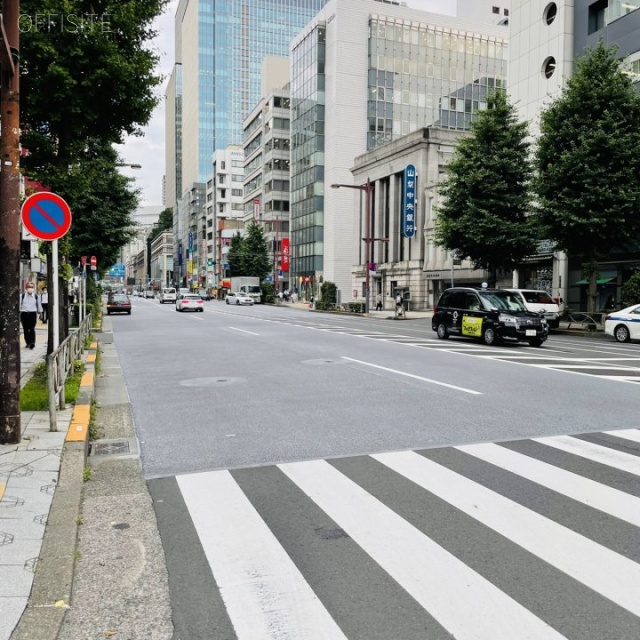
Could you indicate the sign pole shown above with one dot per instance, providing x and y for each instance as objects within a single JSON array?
[{"x": 55, "y": 317}]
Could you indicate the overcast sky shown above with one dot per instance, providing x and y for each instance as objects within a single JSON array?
[{"x": 148, "y": 150}]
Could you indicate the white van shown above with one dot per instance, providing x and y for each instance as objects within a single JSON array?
[
  {"x": 168, "y": 295},
  {"x": 540, "y": 302}
]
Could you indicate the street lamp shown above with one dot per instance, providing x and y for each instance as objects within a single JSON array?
[{"x": 367, "y": 187}]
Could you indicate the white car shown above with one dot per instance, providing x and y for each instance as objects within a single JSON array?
[
  {"x": 540, "y": 302},
  {"x": 149, "y": 293},
  {"x": 238, "y": 298},
  {"x": 624, "y": 325},
  {"x": 189, "y": 302}
]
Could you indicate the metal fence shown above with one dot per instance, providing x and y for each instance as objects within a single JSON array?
[{"x": 60, "y": 364}]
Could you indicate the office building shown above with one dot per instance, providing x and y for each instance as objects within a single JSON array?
[{"x": 366, "y": 73}]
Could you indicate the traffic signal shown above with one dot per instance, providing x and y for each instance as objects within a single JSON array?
[{"x": 209, "y": 263}]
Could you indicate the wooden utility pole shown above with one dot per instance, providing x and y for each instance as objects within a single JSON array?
[{"x": 10, "y": 432}]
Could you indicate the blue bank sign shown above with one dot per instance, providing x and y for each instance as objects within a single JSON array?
[{"x": 409, "y": 202}]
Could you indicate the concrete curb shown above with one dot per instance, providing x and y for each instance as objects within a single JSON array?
[{"x": 52, "y": 584}]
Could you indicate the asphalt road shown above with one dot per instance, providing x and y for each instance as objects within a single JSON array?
[
  {"x": 324, "y": 477},
  {"x": 235, "y": 387}
]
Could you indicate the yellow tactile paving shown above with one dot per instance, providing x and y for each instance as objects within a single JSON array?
[
  {"x": 87, "y": 379},
  {"x": 79, "y": 427},
  {"x": 94, "y": 345},
  {"x": 91, "y": 357},
  {"x": 2, "y": 490}
]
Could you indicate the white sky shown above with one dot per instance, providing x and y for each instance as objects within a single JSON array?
[{"x": 148, "y": 150}]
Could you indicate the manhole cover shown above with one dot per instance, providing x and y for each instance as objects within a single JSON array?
[
  {"x": 111, "y": 448},
  {"x": 324, "y": 361},
  {"x": 220, "y": 381}
]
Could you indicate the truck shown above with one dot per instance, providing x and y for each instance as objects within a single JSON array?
[{"x": 249, "y": 286}]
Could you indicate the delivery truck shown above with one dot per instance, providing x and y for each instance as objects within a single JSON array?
[{"x": 249, "y": 286}]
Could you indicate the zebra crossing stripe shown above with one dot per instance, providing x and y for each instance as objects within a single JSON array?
[
  {"x": 265, "y": 594},
  {"x": 465, "y": 603},
  {"x": 595, "y": 452},
  {"x": 605, "y": 571},
  {"x": 627, "y": 434},
  {"x": 593, "y": 494}
]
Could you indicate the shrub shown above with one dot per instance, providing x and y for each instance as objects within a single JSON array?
[
  {"x": 268, "y": 292},
  {"x": 631, "y": 290},
  {"x": 328, "y": 295}
]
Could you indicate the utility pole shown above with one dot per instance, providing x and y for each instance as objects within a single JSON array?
[{"x": 10, "y": 432}]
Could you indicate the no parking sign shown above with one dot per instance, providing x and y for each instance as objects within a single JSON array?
[{"x": 46, "y": 215}]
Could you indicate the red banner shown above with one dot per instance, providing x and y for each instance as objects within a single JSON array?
[{"x": 285, "y": 254}]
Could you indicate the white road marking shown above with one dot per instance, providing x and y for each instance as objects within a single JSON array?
[
  {"x": 596, "y": 452},
  {"x": 601, "y": 569},
  {"x": 266, "y": 596},
  {"x": 627, "y": 434},
  {"x": 244, "y": 331},
  {"x": 465, "y": 603},
  {"x": 599, "y": 496},
  {"x": 415, "y": 377}
]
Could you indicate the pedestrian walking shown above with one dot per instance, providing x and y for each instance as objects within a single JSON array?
[
  {"x": 30, "y": 307},
  {"x": 378, "y": 302},
  {"x": 44, "y": 301},
  {"x": 399, "y": 307}
]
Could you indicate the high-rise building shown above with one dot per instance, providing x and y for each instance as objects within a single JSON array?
[
  {"x": 365, "y": 73},
  {"x": 220, "y": 45}
]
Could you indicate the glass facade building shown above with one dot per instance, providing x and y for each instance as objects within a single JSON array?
[
  {"x": 307, "y": 155},
  {"x": 421, "y": 75},
  {"x": 233, "y": 38}
]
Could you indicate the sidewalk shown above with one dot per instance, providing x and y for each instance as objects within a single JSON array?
[{"x": 28, "y": 478}]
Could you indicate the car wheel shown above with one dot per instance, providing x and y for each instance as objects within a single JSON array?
[
  {"x": 237, "y": 302},
  {"x": 535, "y": 342},
  {"x": 489, "y": 335},
  {"x": 227, "y": 301},
  {"x": 177, "y": 308},
  {"x": 442, "y": 332},
  {"x": 128, "y": 313},
  {"x": 201, "y": 310},
  {"x": 621, "y": 333}
]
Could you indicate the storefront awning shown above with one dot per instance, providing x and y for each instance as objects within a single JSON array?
[{"x": 599, "y": 281}]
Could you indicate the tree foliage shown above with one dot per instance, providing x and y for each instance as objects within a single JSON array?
[
  {"x": 87, "y": 73},
  {"x": 255, "y": 253},
  {"x": 165, "y": 223},
  {"x": 588, "y": 162},
  {"x": 486, "y": 195},
  {"x": 235, "y": 257}
]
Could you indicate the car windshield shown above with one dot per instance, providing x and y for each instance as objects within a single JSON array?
[
  {"x": 119, "y": 297},
  {"x": 253, "y": 289},
  {"x": 192, "y": 297},
  {"x": 501, "y": 300}
]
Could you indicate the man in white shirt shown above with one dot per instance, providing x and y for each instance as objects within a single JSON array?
[{"x": 30, "y": 307}]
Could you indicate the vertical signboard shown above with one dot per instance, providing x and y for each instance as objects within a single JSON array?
[
  {"x": 256, "y": 209},
  {"x": 409, "y": 202},
  {"x": 285, "y": 254}
]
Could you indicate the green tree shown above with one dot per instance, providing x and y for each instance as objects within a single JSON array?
[
  {"x": 588, "y": 163},
  {"x": 486, "y": 195},
  {"x": 165, "y": 223},
  {"x": 235, "y": 257},
  {"x": 255, "y": 253},
  {"x": 87, "y": 72}
]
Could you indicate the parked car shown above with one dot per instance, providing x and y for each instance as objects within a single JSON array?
[
  {"x": 538, "y": 301},
  {"x": 189, "y": 302},
  {"x": 118, "y": 303},
  {"x": 167, "y": 295},
  {"x": 493, "y": 315},
  {"x": 624, "y": 325},
  {"x": 238, "y": 298},
  {"x": 204, "y": 294}
]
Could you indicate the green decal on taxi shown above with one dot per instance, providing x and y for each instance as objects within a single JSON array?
[{"x": 471, "y": 326}]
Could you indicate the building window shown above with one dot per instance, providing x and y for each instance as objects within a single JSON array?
[
  {"x": 596, "y": 15},
  {"x": 495, "y": 9},
  {"x": 550, "y": 13},
  {"x": 549, "y": 66}
]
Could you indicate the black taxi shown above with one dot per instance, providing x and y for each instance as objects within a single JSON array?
[{"x": 492, "y": 315}]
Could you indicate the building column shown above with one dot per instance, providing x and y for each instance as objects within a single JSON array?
[{"x": 394, "y": 220}]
